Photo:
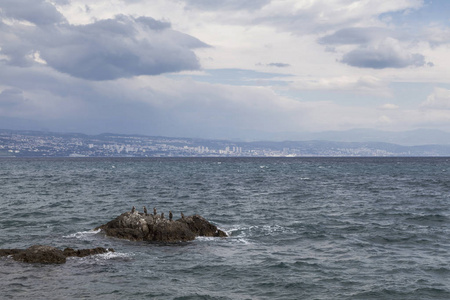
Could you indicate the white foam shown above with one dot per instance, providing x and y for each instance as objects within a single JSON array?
[
  {"x": 234, "y": 240},
  {"x": 243, "y": 230},
  {"x": 257, "y": 230},
  {"x": 243, "y": 241},
  {"x": 113, "y": 255},
  {"x": 99, "y": 258},
  {"x": 269, "y": 229},
  {"x": 82, "y": 234},
  {"x": 205, "y": 238}
]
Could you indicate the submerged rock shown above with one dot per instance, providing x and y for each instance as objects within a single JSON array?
[
  {"x": 137, "y": 226},
  {"x": 48, "y": 254}
]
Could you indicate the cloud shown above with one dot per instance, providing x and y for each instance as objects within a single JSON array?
[
  {"x": 106, "y": 49},
  {"x": 436, "y": 35},
  {"x": 318, "y": 16},
  {"x": 226, "y": 5},
  {"x": 122, "y": 47},
  {"x": 11, "y": 98},
  {"x": 439, "y": 99},
  {"x": 158, "y": 105},
  {"x": 355, "y": 36},
  {"x": 238, "y": 77},
  {"x": 299, "y": 17},
  {"x": 94, "y": 71},
  {"x": 376, "y": 48},
  {"x": 366, "y": 85},
  {"x": 279, "y": 65},
  {"x": 387, "y": 54},
  {"x": 38, "y": 12},
  {"x": 389, "y": 106}
]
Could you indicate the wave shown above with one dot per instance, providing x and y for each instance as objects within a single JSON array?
[
  {"x": 205, "y": 238},
  {"x": 104, "y": 257},
  {"x": 113, "y": 255},
  {"x": 428, "y": 219},
  {"x": 82, "y": 234},
  {"x": 246, "y": 233}
]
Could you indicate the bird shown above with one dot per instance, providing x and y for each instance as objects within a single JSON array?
[
  {"x": 162, "y": 215},
  {"x": 154, "y": 211},
  {"x": 182, "y": 215},
  {"x": 170, "y": 215},
  {"x": 145, "y": 211},
  {"x": 133, "y": 210}
]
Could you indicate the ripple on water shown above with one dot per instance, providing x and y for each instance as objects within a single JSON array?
[{"x": 299, "y": 228}]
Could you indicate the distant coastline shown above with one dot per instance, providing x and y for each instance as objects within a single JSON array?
[{"x": 18, "y": 143}]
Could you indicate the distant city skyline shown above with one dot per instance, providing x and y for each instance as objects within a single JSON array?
[
  {"x": 46, "y": 144},
  {"x": 230, "y": 69}
]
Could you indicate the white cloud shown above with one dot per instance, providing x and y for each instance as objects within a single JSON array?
[
  {"x": 322, "y": 15},
  {"x": 367, "y": 85},
  {"x": 389, "y": 106},
  {"x": 439, "y": 99},
  {"x": 436, "y": 35},
  {"x": 226, "y": 5}
]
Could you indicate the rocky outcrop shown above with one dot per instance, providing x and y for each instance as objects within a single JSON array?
[
  {"x": 137, "y": 226},
  {"x": 48, "y": 254},
  {"x": 41, "y": 254},
  {"x": 86, "y": 252}
]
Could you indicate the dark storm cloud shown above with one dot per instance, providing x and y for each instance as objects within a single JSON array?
[
  {"x": 382, "y": 58},
  {"x": 37, "y": 12},
  {"x": 121, "y": 47},
  {"x": 226, "y": 4},
  {"x": 104, "y": 50}
]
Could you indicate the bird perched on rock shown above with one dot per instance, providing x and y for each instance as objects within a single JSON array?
[
  {"x": 182, "y": 215},
  {"x": 170, "y": 215},
  {"x": 162, "y": 215},
  {"x": 145, "y": 211},
  {"x": 154, "y": 211},
  {"x": 133, "y": 210}
]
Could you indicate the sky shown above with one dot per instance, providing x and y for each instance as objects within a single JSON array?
[{"x": 224, "y": 69}]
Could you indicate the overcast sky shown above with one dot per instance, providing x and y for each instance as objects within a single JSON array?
[{"x": 224, "y": 68}]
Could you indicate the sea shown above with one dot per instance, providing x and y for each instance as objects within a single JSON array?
[{"x": 299, "y": 228}]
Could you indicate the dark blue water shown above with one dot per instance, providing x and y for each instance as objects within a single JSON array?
[{"x": 303, "y": 228}]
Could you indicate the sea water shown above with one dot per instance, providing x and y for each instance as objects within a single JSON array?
[{"x": 299, "y": 228}]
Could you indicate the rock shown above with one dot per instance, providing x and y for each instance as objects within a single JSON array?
[
  {"x": 6, "y": 252},
  {"x": 41, "y": 254},
  {"x": 48, "y": 254},
  {"x": 86, "y": 252},
  {"x": 142, "y": 227},
  {"x": 201, "y": 227}
]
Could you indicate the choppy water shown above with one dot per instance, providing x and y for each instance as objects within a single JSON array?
[{"x": 309, "y": 228}]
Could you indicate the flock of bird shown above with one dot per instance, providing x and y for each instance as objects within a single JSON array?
[{"x": 133, "y": 210}]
